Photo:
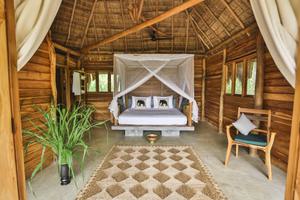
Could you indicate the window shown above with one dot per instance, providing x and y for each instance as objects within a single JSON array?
[
  {"x": 103, "y": 81},
  {"x": 91, "y": 82},
  {"x": 100, "y": 81},
  {"x": 241, "y": 77},
  {"x": 251, "y": 76},
  {"x": 229, "y": 79}
]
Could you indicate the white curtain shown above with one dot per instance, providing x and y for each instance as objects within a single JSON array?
[
  {"x": 277, "y": 22},
  {"x": 176, "y": 71},
  {"x": 33, "y": 21}
]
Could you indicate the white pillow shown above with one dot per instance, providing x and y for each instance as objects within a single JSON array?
[
  {"x": 244, "y": 125},
  {"x": 163, "y": 102},
  {"x": 141, "y": 102}
]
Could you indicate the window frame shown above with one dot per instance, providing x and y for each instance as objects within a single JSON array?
[
  {"x": 233, "y": 64},
  {"x": 97, "y": 72}
]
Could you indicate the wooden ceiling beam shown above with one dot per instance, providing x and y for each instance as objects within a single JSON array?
[
  {"x": 156, "y": 13},
  {"x": 172, "y": 28},
  {"x": 108, "y": 24},
  {"x": 163, "y": 16},
  {"x": 70, "y": 23},
  {"x": 216, "y": 18},
  {"x": 234, "y": 15},
  {"x": 233, "y": 37},
  {"x": 88, "y": 23},
  {"x": 66, "y": 49}
]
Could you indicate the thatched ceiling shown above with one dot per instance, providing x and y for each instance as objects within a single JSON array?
[{"x": 83, "y": 22}]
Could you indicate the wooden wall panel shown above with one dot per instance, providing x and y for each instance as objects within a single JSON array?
[
  {"x": 35, "y": 89},
  {"x": 278, "y": 96},
  {"x": 213, "y": 81}
]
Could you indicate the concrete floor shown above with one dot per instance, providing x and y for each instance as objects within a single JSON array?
[{"x": 244, "y": 178}]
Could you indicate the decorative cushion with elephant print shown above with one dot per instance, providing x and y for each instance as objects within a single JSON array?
[
  {"x": 141, "y": 102},
  {"x": 163, "y": 102}
]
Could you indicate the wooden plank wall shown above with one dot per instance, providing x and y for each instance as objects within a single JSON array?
[
  {"x": 105, "y": 62},
  {"x": 35, "y": 84},
  {"x": 231, "y": 103},
  {"x": 278, "y": 96},
  {"x": 213, "y": 80}
]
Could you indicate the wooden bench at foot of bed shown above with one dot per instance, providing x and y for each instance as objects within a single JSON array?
[{"x": 132, "y": 130}]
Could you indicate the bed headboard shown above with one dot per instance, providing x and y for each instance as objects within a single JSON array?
[{"x": 153, "y": 87}]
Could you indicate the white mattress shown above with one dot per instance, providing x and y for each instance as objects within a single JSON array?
[{"x": 152, "y": 117}]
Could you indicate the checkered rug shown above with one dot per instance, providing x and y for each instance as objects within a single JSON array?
[{"x": 151, "y": 173}]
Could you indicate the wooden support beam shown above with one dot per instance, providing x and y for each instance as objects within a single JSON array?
[
  {"x": 71, "y": 21},
  {"x": 232, "y": 38},
  {"x": 143, "y": 25},
  {"x": 68, "y": 82},
  {"x": 198, "y": 27},
  {"x": 88, "y": 23},
  {"x": 223, "y": 83},
  {"x": 11, "y": 140},
  {"x": 156, "y": 13},
  {"x": 66, "y": 49},
  {"x": 293, "y": 171},
  {"x": 203, "y": 90},
  {"x": 216, "y": 18},
  {"x": 234, "y": 15},
  {"x": 140, "y": 9},
  {"x": 259, "y": 85},
  {"x": 107, "y": 21}
]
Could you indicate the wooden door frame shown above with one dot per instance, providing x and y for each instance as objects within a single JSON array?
[{"x": 14, "y": 98}]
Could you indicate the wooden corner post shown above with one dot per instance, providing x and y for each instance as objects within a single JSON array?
[
  {"x": 223, "y": 83},
  {"x": 12, "y": 173},
  {"x": 203, "y": 90},
  {"x": 293, "y": 173}
]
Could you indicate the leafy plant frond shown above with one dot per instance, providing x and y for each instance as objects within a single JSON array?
[{"x": 63, "y": 133}]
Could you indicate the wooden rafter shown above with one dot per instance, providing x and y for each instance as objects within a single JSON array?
[
  {"x": 95, "y": 32},
  {"x": 124, "y": 26},
  {"x": 172, "y": 28},
  {"x": 66, "y": 49},
  {"x": 88, "y": 23},
  {"x": 205, "y": 23},
  {"x": 143, "y": 25},
  {"x": 71, "y": 21},
  {"x": 216, "y": 18},
  {"x": 233, "y": 37},
  {"x": 234, "y": 15},
  {"x": 108, "y": 24},
  {"x": 198, "y": 27},
  {"x": 187, "y": 32},
  {"x": 156, "y": 13},
  {"x": 199, "y": 37}
]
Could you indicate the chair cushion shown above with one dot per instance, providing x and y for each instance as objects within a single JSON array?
[
  {"x": 244, "y": 125},
  {"x": 255, "y": 139}
]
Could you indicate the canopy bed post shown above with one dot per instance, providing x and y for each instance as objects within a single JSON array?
[{"x": 190, "y": 110}]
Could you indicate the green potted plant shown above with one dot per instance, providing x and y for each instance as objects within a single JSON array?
[{"x": 64, "y": 135}]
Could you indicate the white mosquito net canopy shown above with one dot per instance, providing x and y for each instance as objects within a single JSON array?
[{"x": 176, "y": 71}]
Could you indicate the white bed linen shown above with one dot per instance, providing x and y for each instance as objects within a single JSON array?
[{"x": 152, "y": 117}]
